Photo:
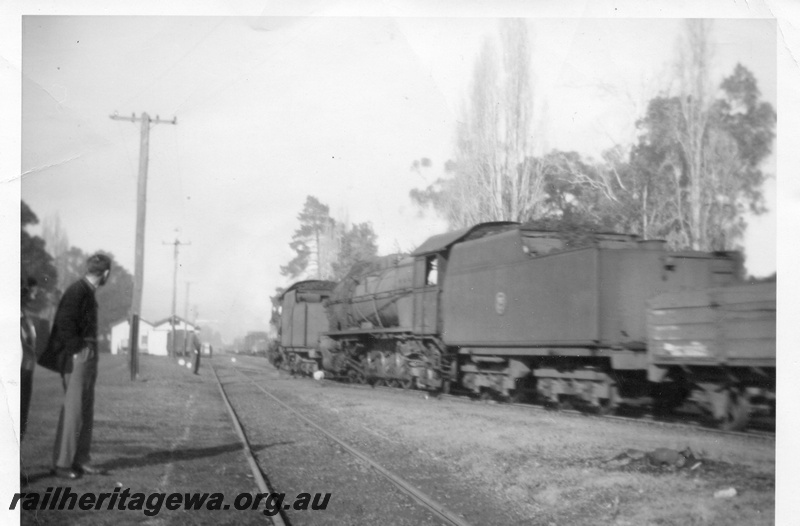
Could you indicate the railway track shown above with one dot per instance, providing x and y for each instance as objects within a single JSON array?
[
  {"x": 693, "y": 424},
  {"x": 263, "y": 485},
  {"x": 422, "y": 499},
  {"x": 471, "y": 448}
]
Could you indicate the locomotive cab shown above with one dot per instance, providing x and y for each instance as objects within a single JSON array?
[{"x": 429, "y": 271}]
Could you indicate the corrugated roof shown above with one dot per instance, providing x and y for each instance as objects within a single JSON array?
[{"x": 440, "y": 242}]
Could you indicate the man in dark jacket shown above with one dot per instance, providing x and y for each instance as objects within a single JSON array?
[{"x": 72, "y": 351}]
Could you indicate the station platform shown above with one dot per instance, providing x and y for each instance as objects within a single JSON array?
[{"x": 166, "y": 432}]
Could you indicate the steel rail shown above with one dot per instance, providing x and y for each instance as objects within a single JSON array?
[
  {"x": 263, "y": 486},
  {"x": 422, "y": 498}
]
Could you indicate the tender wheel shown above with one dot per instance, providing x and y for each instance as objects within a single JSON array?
[
  {"x": 562, "y": 403},
  {"x": 514, "y": 397},
  {"x": 608, "y": 406}
]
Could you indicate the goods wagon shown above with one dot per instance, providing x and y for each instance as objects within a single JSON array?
[{"x": 717, "y": 348}]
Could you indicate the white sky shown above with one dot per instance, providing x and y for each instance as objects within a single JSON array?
[{"x": 336, "y": 102}]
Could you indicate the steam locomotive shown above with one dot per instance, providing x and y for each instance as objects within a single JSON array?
[{"x": 510, "y": 311}]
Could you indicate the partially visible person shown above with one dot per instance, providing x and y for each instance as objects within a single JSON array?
[
  {"x": 72, "y": 351},
  {"x": 27, "y": 331},
  {"x": 197, "y": 347}
]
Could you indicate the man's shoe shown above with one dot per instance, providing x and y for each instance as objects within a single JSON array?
[
  {"x": 88, "y": 469},
  {"x": 66, "y": 473}
]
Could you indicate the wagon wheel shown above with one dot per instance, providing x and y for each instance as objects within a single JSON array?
[{"x": 737, "y": 411}]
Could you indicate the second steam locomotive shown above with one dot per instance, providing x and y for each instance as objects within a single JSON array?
[{"x": 503, "y": 309}]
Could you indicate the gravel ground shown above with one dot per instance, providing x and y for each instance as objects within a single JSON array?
[
  {"x": 500, "y": 464},
  {"x": 166, "y": 432},
  {"x": 493, "y": 463}
]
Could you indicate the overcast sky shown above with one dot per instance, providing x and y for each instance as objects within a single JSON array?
[{"x": 271, "y": 109}]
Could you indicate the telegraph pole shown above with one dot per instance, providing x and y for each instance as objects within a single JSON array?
[
  {"x": 186, "y": 314},
  {"x": 141, "y": 201},
  {"x": 177, "y": 245}
]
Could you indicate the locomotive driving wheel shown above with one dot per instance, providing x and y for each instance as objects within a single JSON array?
[
  {"x": 404, "y": 380},
  {"x": 355, "y": 377}
]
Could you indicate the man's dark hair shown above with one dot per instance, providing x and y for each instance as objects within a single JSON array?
[
  {"x": 97, "y": 264},
  {"x": 25, "y": 285}
]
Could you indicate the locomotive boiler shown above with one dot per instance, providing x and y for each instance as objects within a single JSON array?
[{"x": 507, "y": 310}]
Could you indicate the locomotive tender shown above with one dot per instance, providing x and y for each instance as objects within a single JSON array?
[{"x": 507, "y": 310}]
